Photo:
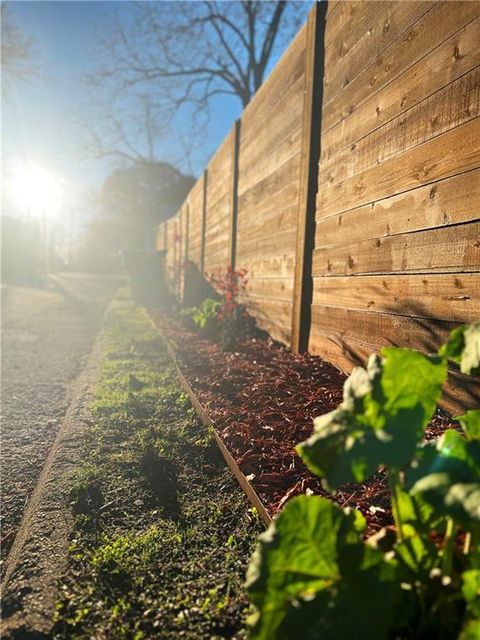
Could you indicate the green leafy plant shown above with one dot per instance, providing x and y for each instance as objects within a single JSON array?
[
  {"x": 314, "y": 575},
  {"x": 204, "y": 317},
  {"x": 225, "y": 320}
]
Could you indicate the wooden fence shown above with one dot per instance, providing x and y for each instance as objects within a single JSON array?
[{"x": 350, "y": 187}]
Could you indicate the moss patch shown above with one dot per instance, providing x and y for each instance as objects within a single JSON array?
[{"x": 162, "y": 531}]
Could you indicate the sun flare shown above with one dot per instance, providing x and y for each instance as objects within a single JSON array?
[{"x": 35, "y": 189}]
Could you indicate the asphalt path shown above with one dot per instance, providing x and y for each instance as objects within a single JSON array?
[{"x": 47, "y": 335}]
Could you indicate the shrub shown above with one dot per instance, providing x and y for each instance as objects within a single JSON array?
[{"x": 234, "y": 321}]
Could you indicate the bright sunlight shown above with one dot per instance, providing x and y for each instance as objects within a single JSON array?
[{"x": 35, "y": 189}]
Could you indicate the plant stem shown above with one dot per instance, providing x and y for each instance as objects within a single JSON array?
[
  {"x": 394, "y": 485},
  {"x": 467, "y": 543},
  {"x": 474, "y": 546},
  {"x": 448, "y": 544}
]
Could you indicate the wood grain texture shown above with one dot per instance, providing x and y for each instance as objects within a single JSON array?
[
  {"x": 459, "y": 392},
  {"x": 451, "y": 106},
  {"x": 452, "y": 59},
  {"x": 268, "y": 185},
  {"x": 366, "y": 38},
  {"x": 446, "y": 155},
  {"x": 446, "y": 202},
  {"x": 442, "y": 296},
  {"x": 452, "y": 249},
  {"x": 432, "y": 29}
]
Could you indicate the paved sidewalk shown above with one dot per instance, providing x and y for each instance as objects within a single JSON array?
[{"x": 47, "y": 335}]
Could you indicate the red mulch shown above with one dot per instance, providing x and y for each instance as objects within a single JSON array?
[{"x": 262, "y": 399}]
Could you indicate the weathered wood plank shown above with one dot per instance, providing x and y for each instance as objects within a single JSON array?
[
  {"x": 233, "y": 222},
  {"x": 280, "y": 119},
  {"x": 448, "y": 108},
  {"x": 280, "y": 289},
  {"x": 455, "y": 248},
  {"x": 288, "y": 69},
  {"x": 461, "y": 392},
  {"x": 455, "y": 57},
  {"x": 450, "y": 201},
  {"x": 260, "y": 266},
  {"x": 453, "y": 297},
  {"x": 284, "y": 180},
  {"x": 446, "y": 155},
  {"x": 381, "y": 329},
  {"x": 272, "y": 316},
  {"x": 437, "y": 25},
  {"x": 366, "y": 39},
  {"x": 282, "y": 242}
]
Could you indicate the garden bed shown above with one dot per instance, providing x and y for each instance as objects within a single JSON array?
[{"x": 262, "y": 399}]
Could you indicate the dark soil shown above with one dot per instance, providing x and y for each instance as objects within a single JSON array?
[
  {"x": 262, "y": 399},
  {"x": 163, "y": 532}
]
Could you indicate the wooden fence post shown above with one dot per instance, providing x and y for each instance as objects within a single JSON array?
[
  {"x": 204, "y": 221},
  {"x": 187, "y": 230},
  {"x": 232, "y": 249},
  {"x": 312, "y": 113}
]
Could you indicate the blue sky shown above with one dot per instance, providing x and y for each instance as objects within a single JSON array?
[{"x": 39, "y": 117}]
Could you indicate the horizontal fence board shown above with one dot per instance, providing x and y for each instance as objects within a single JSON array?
[
  {"x": 274, "y": 242},
  {"x": 449, "y": 154},
  {"x": 272, "y": 288},
  {"x": 437, "y": 25},
  {"x": 365, "y": 39},
  {"x": 273, "y": 221},
  {"x": 272, "y": 316},
  {"x": 452, "y": 297},
  {"x": 450, "y": 201},
  {"x": 381, "y": 329},
  {"x": 288, "y": 70},
  {"x": 252, "y": 173},
  {"x": 282, "y": 183},
  {"x": 277, "y": 123},
  {"x": 452, "y": 59},
  {"x": 350, "y": 15},
  {"x": 276, "y": 265},
  {"x": 455, "y": 248},
  {"x": 459, "y": 392},
  {"x": 448, "y": 108}
]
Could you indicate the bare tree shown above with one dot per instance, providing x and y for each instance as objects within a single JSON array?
[
  {"x": 17, "y": 52},
  {"x": 179, "y": 56}
]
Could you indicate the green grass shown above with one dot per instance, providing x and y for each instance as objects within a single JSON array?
[{"x": 162, "y": 532}]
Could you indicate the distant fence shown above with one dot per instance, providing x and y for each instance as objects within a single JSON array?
[{"x": 350, "y": 187}]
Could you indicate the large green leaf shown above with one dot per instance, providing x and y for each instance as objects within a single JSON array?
[
  {"x": 471, "y": 593},
  {"x": 471, "y": 590},
  {"x": 313, "y": 577},
  {"x": 446, "y": 474},
  {"x": 381, "y": 419},
  {"x": 471, "y": 424},
  {"x": 463, "y": 347}
]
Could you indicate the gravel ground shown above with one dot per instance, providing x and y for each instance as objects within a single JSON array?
[{"x": 47, "y": 334}]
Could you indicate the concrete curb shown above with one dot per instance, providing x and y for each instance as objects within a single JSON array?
[{"x": 38, "y": 555}]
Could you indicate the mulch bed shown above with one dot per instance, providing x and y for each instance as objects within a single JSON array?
[{"x": 262, "y": 399}]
